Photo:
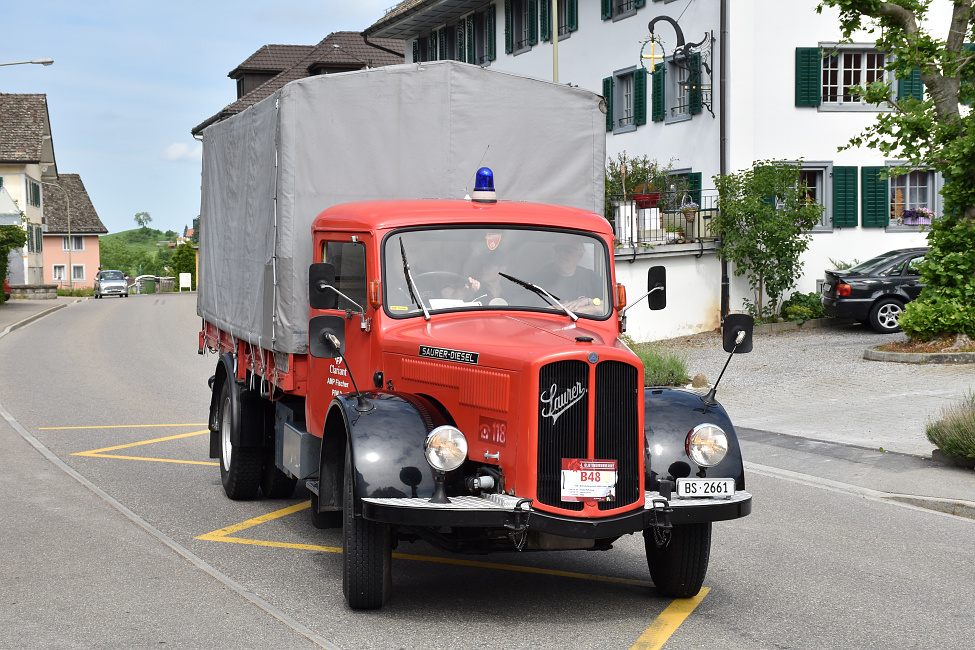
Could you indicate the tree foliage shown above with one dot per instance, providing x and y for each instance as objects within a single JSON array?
[
  {"x": 936, "y": 133},
  {"x": 764, "y": 217},
  {"x": 143, "y": 219},
  {"x": 184, "y": 261},
  {"x": 11, "y": 237}
]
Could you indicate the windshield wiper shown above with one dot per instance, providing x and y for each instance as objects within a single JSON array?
[
  {"x": 553, "y": 300},
  {"x": 410, "y": 284}
]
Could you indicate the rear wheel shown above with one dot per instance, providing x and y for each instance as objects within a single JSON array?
[
  {"x": 240, "y": 467},
  {"x": 678, "y": 569},
  {"x": 367, "y": 555},
  {"x": 884, "y": 315}
]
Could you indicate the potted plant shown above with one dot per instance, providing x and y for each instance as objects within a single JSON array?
[
  {"x": 690, "y": 208},
  {"x": 917, "y": 217}
]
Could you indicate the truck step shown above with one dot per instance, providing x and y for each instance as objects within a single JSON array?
[{"x": 312, "y": 487}]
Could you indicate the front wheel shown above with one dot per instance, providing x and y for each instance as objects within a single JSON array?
[
  {"x": 678, "y": 569},
  {"x": 884, "y": 315},
  {"x": 367, "y": 555},
  {"x": 240, "y": 467}
]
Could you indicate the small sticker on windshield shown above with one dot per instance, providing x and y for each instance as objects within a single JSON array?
[
  {"x": 398, "y": 308},
  {"x": 493, "y": 240}
]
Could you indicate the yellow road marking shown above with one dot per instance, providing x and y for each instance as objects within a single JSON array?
[
  {"x": 100, "y": 453},
  {"x": 126, "y": 426},
  {"x": 667, "y": 623},
  {"x": 224, "y": 535}
]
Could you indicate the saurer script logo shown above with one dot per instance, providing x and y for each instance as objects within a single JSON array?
[{"x": 555, "y": 404}]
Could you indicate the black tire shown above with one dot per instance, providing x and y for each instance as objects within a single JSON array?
[
  {"x": 367, "y": 553},
  {"x": 678, "y": 569},
  {"x": 240, "y": 467},
  {"x": 275, "y": 484},
  {"x": 327, "y": 519},
  {"x": 884, "y": 315}
]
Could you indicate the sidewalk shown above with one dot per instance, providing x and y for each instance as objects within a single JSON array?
[{"x": 17, "y": 313}]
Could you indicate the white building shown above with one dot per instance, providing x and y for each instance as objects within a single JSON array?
[{"x": 782, "y": 98}]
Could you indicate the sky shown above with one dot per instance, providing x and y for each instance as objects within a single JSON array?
[{"x": 130, "y": 79}]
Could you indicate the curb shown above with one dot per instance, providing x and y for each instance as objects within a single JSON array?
[
  {"x": 941, "y": 457},
  {"x": 873, "y": 354},
  {"x": 788, "y": 326}
]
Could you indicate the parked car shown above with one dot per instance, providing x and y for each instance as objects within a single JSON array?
[
  {"x": 111, "y": 283},
  {"x": 875, "y": 291},
  {"x": 6, "y": 289}
]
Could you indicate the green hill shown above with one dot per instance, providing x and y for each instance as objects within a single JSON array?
[{"x": 137, "y": 251}]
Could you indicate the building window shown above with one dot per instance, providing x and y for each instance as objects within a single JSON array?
[
  {"x": 568, "y": 18},
  {"x": 78, "y": 243},
  {"x": 626, "y": 98},
  {"x": 619, "y": 9},
  {"x": 57, "y": 272},
  {"x": 39, "y": 239},
  {"x": 520, "y": 25},
  {"x": 33, "y": 193},
  {"x": 844, "y": 69},
  {"x": 78, "y": 272},
  {"x": 912, "y": 199}
]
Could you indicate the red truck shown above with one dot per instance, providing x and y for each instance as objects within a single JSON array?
[{"x": 464, "y": 384}]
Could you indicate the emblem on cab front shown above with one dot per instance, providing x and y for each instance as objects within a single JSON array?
[
  {"x": 555, "y": 403},
  {"x": 593, "y": 357}
]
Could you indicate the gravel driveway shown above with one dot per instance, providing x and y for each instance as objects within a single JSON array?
[{"x": 815, "y": 383}]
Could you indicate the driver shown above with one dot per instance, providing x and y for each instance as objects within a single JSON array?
[{"x": 578, "y": 288}]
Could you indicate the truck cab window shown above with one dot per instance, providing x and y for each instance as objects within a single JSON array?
[{"x": 349, "y": 260}]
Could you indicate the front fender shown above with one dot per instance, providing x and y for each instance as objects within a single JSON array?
[
  {"x": 387, "y": 444},
  {"x": 670, "y": 415}
]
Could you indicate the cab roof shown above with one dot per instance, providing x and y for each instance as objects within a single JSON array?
[{"x": 391, "y": 214}]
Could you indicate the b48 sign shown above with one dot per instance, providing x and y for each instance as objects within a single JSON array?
[{"x": 585, "y": 479}]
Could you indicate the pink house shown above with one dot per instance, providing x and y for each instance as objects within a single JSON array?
[{"x": 71, "y": 237}]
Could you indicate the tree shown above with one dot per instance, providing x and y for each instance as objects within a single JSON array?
[
  {"x": 763, "y": 217},
  {"x": 184, "y": 261},
  {"x": 11, "y": 237},
  {"x": 931, "y": 134},
  {"x": 143, "y": 219}
]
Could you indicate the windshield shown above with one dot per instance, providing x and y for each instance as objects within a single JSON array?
[
  {"x": 456, "y": 268},
  {"x": 112, "y": 275}
]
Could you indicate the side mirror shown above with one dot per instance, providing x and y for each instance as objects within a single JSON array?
[
  {"x": 321, "y": 276},
  {"x": 657, "y": 286},
  {"x": 735, "y": 324},
  {"x": 323, "y": 334}
]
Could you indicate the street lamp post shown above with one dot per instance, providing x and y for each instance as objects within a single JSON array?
[
  {"x": 67, "y": 201},
  {"x": 39, "y": 61}
]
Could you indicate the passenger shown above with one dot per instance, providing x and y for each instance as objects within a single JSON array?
[{"x": 578, "y": 288}]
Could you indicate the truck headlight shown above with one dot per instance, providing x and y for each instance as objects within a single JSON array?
[
  {"x": 707, "y": 444},
  {"x": 445, "y": 448}
]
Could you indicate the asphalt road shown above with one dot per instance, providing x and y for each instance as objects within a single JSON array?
[{"x": 136, "y": 551}]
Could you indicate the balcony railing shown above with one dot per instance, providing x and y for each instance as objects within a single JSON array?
[{"x": 656, "y": 218}]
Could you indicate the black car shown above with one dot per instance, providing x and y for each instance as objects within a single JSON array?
[{"x": 876, "y": 291}]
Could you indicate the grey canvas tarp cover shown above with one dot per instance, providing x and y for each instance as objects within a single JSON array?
[{"x": 399, "y": 132}]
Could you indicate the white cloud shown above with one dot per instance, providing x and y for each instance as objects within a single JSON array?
[{"x": 183, "y": 151}]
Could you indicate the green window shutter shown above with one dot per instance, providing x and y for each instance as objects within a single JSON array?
[
  {"x": 844, "y": 197},
  {"x": 639, "y": 3},
  {"x": 608, "y": 96},
  {"x": 572, "y": 17},
  {"x": 532, "y": 22},
  {"x": 694, "y": 87},
  {"x": 461, "y": 41},
  {"x": 545, "y": 20},
  {"x": 1, "y": 181},
  {"x": 416, "y": 50},
  {"x": 492, "y": 36},
  {"x": 30, "y": 240},
  {"x": 694, "y": 186},
  {"x": 658, "y": 107},
  {"x": 875, "y": 198},
  {"x": 640, "y": 96},
  {"x": 471, "y": 57},
  {"x": 443, "y": 44},
  {"x": 40, "y": 239},
  {"x": 432, "y": 46},
  {"x": 911, "y": 86},
  {"x": 606, "y": 9},
  {"x": 809, "y": 89},
  {"x": 509, "y": 37}
]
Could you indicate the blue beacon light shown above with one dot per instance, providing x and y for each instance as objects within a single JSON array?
[{"x": 484, "y": 187}]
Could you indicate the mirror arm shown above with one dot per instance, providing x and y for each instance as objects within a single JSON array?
[{"x": 637, "y": 301}]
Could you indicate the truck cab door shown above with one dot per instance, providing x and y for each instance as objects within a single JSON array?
[{"x": 338, "y": 287}]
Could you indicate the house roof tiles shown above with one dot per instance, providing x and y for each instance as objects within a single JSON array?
[
  {"x": 84, "y": 219},
  {"x": 272, "y": 58},
  {"x": 338, "y": 50},
  {"x": 23, "y": 125}
]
